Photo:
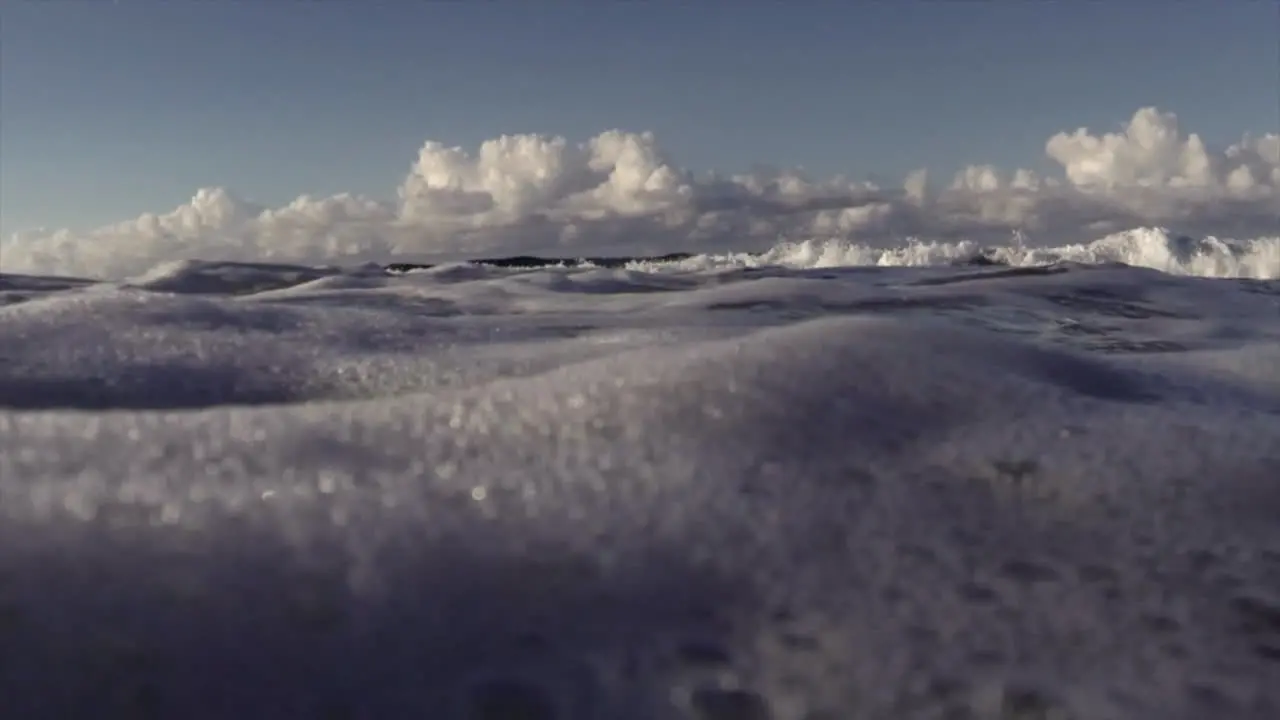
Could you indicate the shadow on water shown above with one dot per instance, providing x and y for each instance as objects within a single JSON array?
[
  {"x": 145, "y": 628},
  {"x": 143, "y": 387},
  {"x": 1087, "y": 376}
]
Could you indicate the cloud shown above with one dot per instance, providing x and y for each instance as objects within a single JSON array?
[{"x": 619, "y": 192}]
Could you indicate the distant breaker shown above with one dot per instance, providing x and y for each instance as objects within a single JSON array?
[
  {"x": 1150, "y": 247},
  {"x": 529, "y": 262}
]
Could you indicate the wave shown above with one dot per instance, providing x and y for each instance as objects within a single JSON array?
[{"x": 1155, "y": 248}]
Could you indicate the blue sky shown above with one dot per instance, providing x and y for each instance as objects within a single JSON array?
[{"x": 109, "y": 110}]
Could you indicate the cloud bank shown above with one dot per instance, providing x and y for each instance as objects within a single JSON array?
[{"x": 619, "y": 192}]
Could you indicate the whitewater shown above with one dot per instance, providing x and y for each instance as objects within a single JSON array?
[{"x": 825, "y": 481}]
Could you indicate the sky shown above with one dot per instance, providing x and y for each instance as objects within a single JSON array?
[{"x": 112, "y": 110}]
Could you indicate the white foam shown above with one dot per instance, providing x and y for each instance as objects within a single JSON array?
[{"x": 1155, "y": 248}]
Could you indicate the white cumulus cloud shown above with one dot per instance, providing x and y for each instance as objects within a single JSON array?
[{"x": 619, "y": 192}]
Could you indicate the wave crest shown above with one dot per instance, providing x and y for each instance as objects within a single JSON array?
[{"x": 1155, "y": 248}]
